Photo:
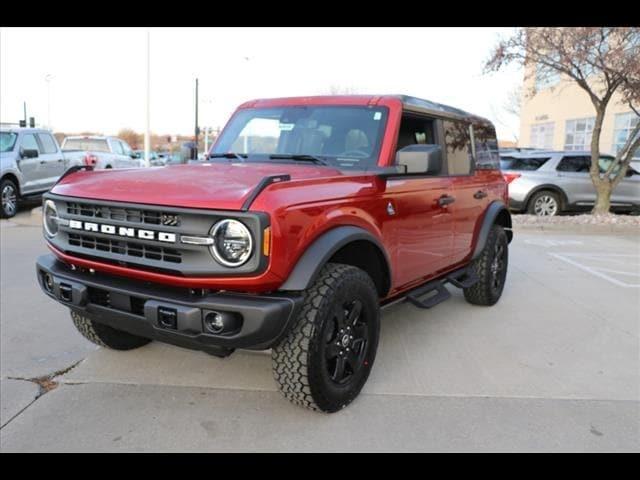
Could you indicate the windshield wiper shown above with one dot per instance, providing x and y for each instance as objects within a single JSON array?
[
  {"x": 299, "y": 157},
  {"x": 240, "y": 156}
]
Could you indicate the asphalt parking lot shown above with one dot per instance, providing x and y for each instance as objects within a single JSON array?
[{"x": 554, "y": 366}]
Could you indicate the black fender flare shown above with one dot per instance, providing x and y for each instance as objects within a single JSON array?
[
  {"x": 495, "y": 209},
  {"x": 322, "y": 249}
]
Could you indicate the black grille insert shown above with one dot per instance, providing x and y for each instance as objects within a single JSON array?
[
  {"x": 132, "y": 215},
  {"x": 123, "y": 247}
]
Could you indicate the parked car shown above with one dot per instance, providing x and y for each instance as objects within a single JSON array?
[
  {"x": 546, "y": 183},
  {"x": 291, "y": 239},
  {"x": 100, "y": 152},
  {"x": 155, "y": 158},
  {"x": 30, "y": 163}
]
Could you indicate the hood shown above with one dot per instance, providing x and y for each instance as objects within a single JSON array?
[{"x": 218, "y": 185}]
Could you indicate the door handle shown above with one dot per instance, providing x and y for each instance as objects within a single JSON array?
[
  {"x": 480, "y": 194},
  {"x": 445, "y": 200}
]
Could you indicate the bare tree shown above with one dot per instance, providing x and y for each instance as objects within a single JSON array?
[
  {"x": 600, "y": 60},
  {"x": 134, "y": 139}
]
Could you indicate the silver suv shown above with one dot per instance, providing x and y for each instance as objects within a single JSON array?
[
  {"x": 30, "y": 163},
  {"x": 549, "y": 182}
]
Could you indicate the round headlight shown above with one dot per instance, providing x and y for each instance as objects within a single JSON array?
[
  {"x": 50, "y": 218},
  {"x": 232, "y": 243}
]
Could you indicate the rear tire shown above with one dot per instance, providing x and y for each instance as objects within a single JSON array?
[
  {"x": 491, "y": 268},
  {"x": 106, "y": 336},
  {"x": 545, "y": 203},
  {"x": 327, "y": 355},
  {"x": 9, "y": 194}
]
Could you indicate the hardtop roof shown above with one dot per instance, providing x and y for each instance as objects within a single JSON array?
[{"x": 409, "y": 103}]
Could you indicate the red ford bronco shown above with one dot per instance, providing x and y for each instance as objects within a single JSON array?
[{"x": 307, "y": 217}]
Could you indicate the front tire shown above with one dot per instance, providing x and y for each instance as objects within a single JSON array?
[
  {"x": 9, "y": 193},
  {"x": 491, "y": 268},
  {"x": 106, "y": 336},
  {"x": 327, "y": 355}
]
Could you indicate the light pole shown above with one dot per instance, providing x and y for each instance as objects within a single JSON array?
[
  {"x": 47, "y": 78},
  {"x": 147, "y": 132}
]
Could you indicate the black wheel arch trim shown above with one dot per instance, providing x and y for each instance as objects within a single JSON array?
[
  {"x": 495, "y": 209},
  {"x": 322, "y": 249}
]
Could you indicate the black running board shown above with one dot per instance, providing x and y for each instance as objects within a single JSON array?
[{"x": 434, "y": 292}]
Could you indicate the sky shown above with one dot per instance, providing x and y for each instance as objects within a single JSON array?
[{"x": 97, "y": 76}]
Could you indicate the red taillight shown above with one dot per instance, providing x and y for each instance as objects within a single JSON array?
[
  {"x": 90, "y": 160},
  {"x": 510, "y": 177}
]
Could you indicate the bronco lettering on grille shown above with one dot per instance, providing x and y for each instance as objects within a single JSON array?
[{"x": 123, "y": 231}]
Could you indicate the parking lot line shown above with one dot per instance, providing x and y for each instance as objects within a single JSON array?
[{"x": 599, "y": 272}]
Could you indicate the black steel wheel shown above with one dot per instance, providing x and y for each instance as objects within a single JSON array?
[
  {"x": 327, "y": 355},
  {"x": 491, "y": 268}
]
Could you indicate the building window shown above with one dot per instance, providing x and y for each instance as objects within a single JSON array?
[
  {"x": 546, "y": 77},
  {"x": 577, "y": 134},
  {"x": 542, "y": 135},
  {"x": 624, "y": 123}
]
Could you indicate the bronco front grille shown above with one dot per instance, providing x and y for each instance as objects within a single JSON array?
[
  {"x": 133, "y": 215},
  {"x": 124, "y": 247}
]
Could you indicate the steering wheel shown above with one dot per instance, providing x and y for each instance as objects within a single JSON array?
[{"x": 354, "y": 153}]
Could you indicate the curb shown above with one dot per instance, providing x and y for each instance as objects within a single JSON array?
[{"x": 578, "y": 228}]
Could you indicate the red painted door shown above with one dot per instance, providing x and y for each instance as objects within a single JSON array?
[
  {"x": 420, "y": 228},
  {"x": 471, "y": 197}
]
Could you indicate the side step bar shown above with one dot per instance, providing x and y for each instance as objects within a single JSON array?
[{"x": 436, "y": 290}]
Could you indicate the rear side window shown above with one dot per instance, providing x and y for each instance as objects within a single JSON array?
[
  {"x": 117, "y": 147},
  {"x": 48, "y": 144},
  {"x": 530, "y": 164},
  {"x": 29, "y": 142},
  {"x": 486, "y": 143},
  {"x": 574, "y": 164},
  {"x": 92, "y": 144},
  {"x": 457, "y": 137}
]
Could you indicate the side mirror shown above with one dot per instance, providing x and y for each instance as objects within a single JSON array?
[
  {"x": 29, "y": 153},
  {"x": 426, "y": 159}
]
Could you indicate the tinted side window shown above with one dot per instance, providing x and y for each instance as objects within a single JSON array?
[
  {"x": 48, "y": 144},
  {"x": 486, "y": 143},
  {"x": 457, "y": 137},
  {"x": 415, "y": 131},
  {"x": 574, "y": 164},
  {"x": 29, "y": 142},
  {"x": 532, "y": 163}
]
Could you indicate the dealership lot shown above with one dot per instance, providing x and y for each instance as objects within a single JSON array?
[{"x": 553, "y": 366}]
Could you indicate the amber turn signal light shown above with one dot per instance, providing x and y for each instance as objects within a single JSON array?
[{"x": 266, "y": 241}]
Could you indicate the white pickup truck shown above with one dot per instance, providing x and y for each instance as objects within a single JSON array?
[{"x": 100, "y": 152}]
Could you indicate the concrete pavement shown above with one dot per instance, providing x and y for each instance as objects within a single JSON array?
[{"x": 554, "y": 366}]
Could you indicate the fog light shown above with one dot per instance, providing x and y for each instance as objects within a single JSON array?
[
  {"x": 48, "y": 282},
  {"x": 222, "y": 322},
  {"x": 214, "y": 323}
]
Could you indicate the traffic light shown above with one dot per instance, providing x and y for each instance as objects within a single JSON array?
[
  {"x": 32, "y": 122},
  {"x": 23, "y": 123}
]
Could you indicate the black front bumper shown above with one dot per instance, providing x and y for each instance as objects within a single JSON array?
[{"x": 138, "y": 307}]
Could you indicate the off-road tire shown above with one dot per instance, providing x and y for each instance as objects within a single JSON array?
[
  {"x": 531, "y": 206},
  {"x": 106, "y": 336},
  {"x": 8, "y": 183},
  {"x": 298, "y": 361},
  {"x": 483, "y": 292}
]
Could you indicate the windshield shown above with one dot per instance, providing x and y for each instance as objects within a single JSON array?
[
  {"x": 7, "y": 141},
  {"x": 343, "y": 137},
  {"x": 91, "y": 144}
]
